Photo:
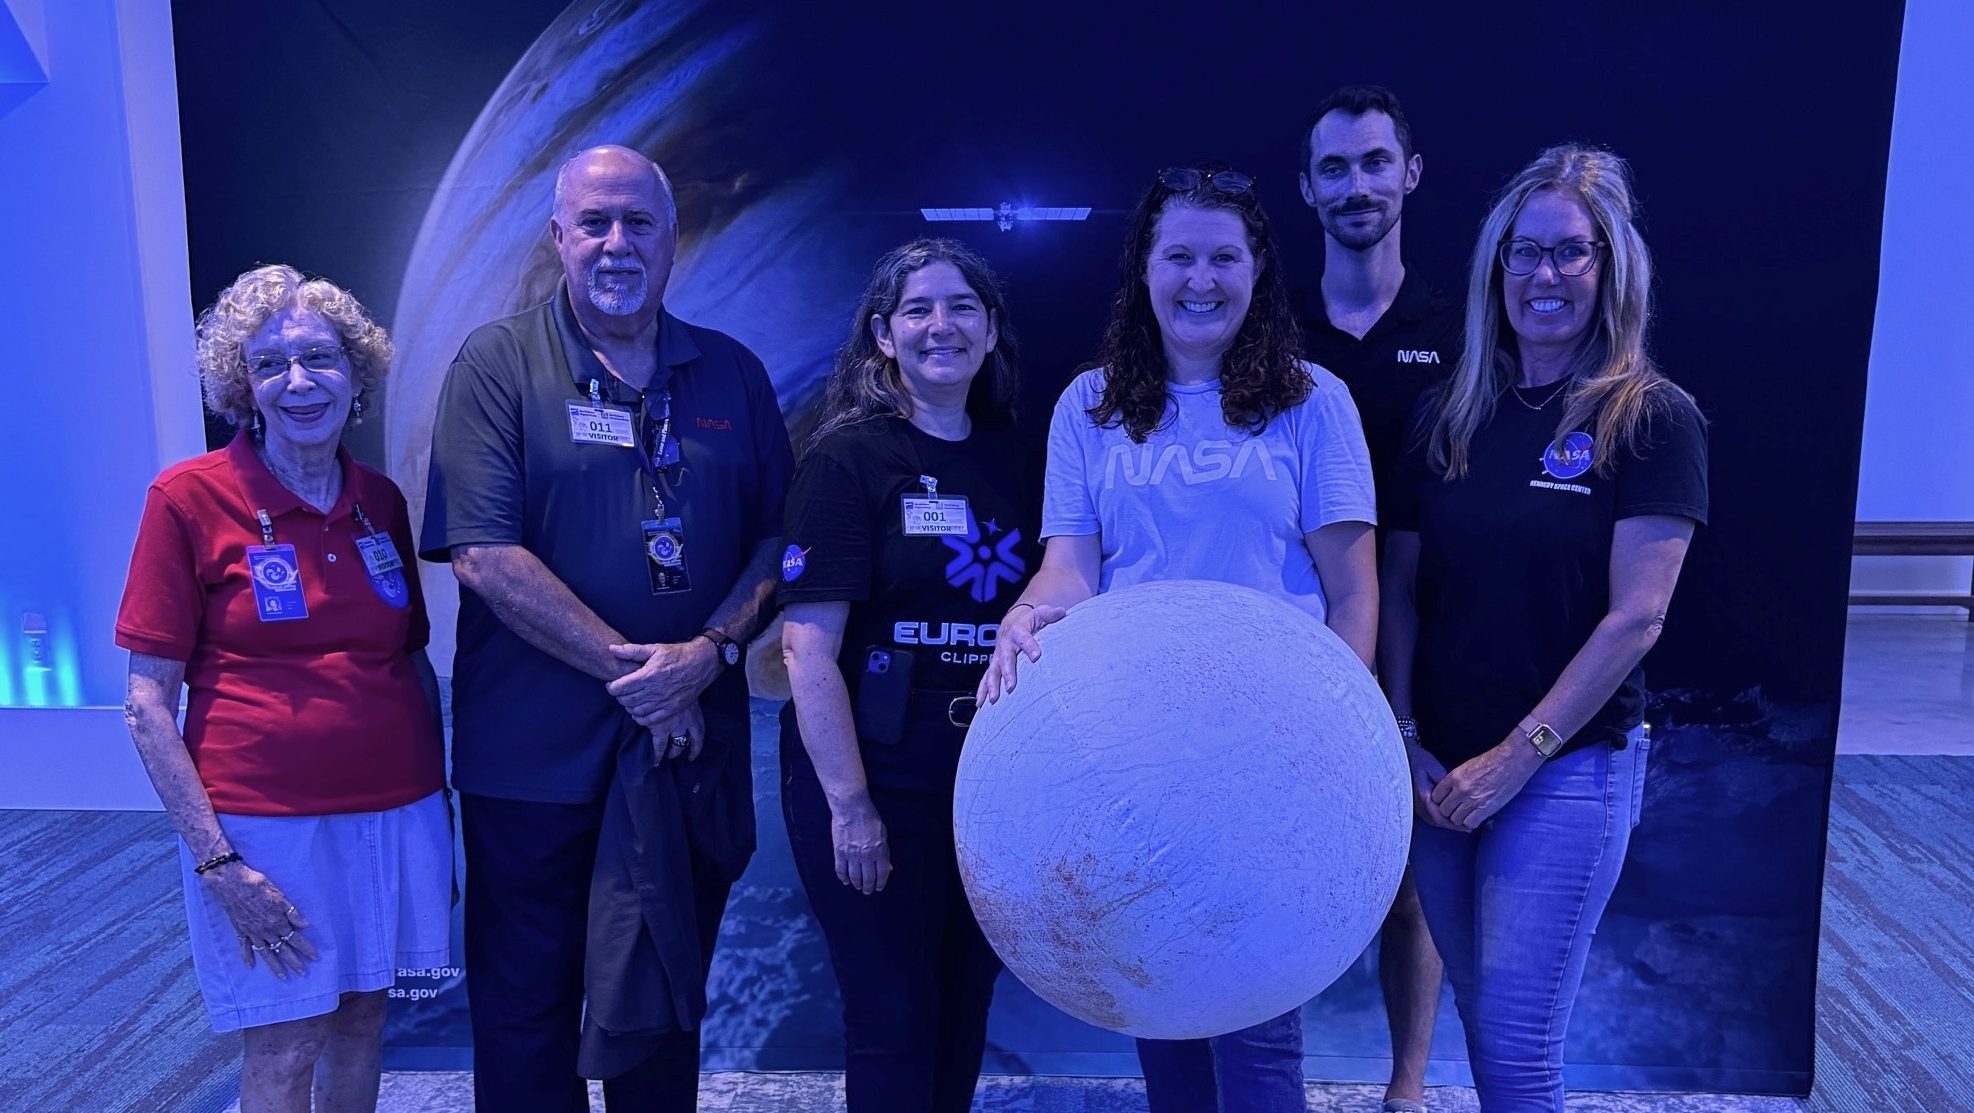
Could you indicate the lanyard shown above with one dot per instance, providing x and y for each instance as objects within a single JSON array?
[
  {"x": 656, "y": 471},
  {"x": 364, "y": 520},
  {"x": 266, "y": 529}
]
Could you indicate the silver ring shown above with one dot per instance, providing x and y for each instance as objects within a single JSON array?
[
  {"x": 678, "y": 742},
  {"x": 274, "y": 947},
  {"x": 255, "y": 946},
  {"x": 285, "y": 938}
]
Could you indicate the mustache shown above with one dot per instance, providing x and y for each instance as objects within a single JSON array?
[
  {"x": 607, "y": 263},
  {"x": 1356, "y": 205}
]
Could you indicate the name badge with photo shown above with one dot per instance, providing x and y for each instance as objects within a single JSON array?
[
  {"x": 930, "y": 516},
  {"x": 277, "y": 583},
  {"x": 664, "y": 556},
  {"x": 598, "y": 424}
]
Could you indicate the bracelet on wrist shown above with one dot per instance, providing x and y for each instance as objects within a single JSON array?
[
  {"x": 216, "y": 861},
  {"x": 1408, "y": 729}
]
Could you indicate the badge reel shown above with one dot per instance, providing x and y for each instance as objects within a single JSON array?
[
  {"x": 929, "y": 515},
  {"x": 276, "y": 576}
]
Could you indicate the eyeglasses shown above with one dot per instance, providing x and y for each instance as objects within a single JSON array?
[
  {"x": 1185, "y": 179},
  {"x": 1571, "y": 257},
  {"x": 315, "y": 359}
]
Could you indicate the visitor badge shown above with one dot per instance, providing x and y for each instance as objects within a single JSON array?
[
  {"x": 379, "y": 554},
  {"x": 664, "y": 555},
  {"x": 277, "y": 583},
  {"x": 600, "y": 424},
  {"x": 934, "y": 516}
]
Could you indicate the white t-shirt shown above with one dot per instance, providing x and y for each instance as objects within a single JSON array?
[{"x": 1200, "y": 501}]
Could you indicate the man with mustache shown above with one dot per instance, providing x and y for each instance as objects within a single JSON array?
[
  {"x": 606, "y": 483},
  {"x": 1379, "y": 327}
]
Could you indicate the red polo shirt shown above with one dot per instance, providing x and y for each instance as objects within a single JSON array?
[{"x": 315, "y": 716}]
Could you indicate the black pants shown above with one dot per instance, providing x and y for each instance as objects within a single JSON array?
[
  {"x": 915, "y": 973},
  {"x": 528, "y": 870}
]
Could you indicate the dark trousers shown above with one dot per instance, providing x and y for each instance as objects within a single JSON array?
[
  {"x": 528, "y": 870},
  {"x": 915, "y": 973}
]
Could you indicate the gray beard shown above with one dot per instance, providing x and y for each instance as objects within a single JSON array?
[{"x": 617, "y": 302}]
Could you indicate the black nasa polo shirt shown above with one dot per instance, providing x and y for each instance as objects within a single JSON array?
[
  {"x": 507, "y": 469},
  {"x": 1412, "y": 347}
]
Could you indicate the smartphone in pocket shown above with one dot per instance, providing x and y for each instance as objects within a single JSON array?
[{"x": 882, "y": 692}]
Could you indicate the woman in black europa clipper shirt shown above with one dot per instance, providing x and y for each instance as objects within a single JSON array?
[
  {"x": 909, "y": 530},
  {"x": 1536, "y": 538}
]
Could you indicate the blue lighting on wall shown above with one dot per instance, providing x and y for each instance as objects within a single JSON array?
[{"x": 39, "y": 662}]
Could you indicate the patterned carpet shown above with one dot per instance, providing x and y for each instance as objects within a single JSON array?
[{"x": 100, "y": 1012}]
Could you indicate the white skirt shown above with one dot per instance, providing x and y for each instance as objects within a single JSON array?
[{"x": 376, "y": 888}]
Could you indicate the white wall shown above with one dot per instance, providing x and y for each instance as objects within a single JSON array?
[
  {"x": 1918, "y": 459},
  {"x": 97, "y": 371}
]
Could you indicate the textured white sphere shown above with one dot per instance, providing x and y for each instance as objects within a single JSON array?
[{"x": 1190, "y": 816}]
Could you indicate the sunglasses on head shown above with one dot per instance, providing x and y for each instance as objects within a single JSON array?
[{"x": 1185, "y": 179}]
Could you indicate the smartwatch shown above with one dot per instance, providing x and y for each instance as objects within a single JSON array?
[
  {"x": 728, "y": 649},
  {"x": 1542, "y": 736}
]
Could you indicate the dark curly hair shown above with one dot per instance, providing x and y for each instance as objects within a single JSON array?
[
  {"x": 1261, "y": 374},
  {"x": 865, "y": 383}
]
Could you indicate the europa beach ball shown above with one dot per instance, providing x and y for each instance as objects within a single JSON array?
[{"x": 1189, "y": 817}]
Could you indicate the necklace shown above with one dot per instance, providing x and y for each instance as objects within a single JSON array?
[{"x": 1516, "y": 393}]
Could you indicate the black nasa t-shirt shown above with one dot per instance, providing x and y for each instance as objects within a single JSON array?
[
  {"x": 1514, "y": 566},
  {"x": 940, "y": 596}
]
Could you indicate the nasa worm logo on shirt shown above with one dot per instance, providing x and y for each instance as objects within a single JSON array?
[
  {"x": 793, "y": 562},
  {"x": 1574, "y": 459}
]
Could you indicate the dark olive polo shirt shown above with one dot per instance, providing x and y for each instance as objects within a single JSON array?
[
  {"x": 506, "y": 470},
  {"x": 1412, "y": 347}
]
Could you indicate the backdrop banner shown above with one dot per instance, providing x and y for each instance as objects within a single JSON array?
[{"x": 407, "y": 151}]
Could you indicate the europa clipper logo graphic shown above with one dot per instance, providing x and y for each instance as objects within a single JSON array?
[{"x": 981, "y": 565}]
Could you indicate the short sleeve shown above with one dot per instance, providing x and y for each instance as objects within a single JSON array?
[
  {"x": 1667, "y": 470},
  {"x": 1336, "y": 465},
  {"x": 827, "y": 525},
  {"x": 1068, "y": 506},
  {"x": 164, "y": 601},
  {"x": 419, "y": 633},
  {"x": 771, "y": 451},
  {"x": 474, "y": 492},
  {"x": 1409, "y": 477}
]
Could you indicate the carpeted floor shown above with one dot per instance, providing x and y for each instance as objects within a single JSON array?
[{"x": 100, "y": 1013}]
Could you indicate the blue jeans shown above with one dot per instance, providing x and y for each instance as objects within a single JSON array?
[
  {"x": 1254, "y": 1070},
  {"x": 1512, "y": 908}
]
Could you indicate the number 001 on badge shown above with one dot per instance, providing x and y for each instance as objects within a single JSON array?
[{"x": 664, "y": 556}]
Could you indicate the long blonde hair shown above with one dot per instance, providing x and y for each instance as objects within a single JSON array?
[{"x": 1612, "y": 379}]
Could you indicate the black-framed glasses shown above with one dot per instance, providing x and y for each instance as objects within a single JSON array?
[
  {"x": 1571, "y": 257},
  {"x": 269, "y": 364},
  {"x": 1185, "y": 179}
]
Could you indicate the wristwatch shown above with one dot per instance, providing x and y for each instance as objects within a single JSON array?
[
  {"x": 1542, "y": 736},
  {"x": 728, "y": 649}
]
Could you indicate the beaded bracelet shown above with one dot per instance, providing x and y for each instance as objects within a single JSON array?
[{"x": 216, "y": 861}]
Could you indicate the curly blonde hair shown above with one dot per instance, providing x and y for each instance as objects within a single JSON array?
[{"x": 242, "y": 308}]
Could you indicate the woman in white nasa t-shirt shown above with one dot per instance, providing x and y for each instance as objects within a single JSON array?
[{"x": 1200, "y": 447}]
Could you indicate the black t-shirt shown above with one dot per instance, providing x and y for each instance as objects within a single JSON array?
[
  {"x": 941, "y": 597},
  {"x": 1412, "y": 347},
  {"x": 1514, "y": 566}
]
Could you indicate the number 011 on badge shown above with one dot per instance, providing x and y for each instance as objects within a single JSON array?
[{"x": 664, "y": 556}]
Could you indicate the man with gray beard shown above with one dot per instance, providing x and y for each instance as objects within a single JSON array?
[{"x": 606, "y": 483}]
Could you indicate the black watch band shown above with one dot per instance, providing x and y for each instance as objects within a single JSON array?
[{"x": 727, "y": 648}]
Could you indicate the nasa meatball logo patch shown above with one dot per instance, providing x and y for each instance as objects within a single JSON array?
[
  {"x": 793, "y": 561},
  {"x": 1573, "y": 460}
]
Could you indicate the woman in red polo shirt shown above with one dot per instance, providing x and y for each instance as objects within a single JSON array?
[{"x": 307, "y": 785}]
